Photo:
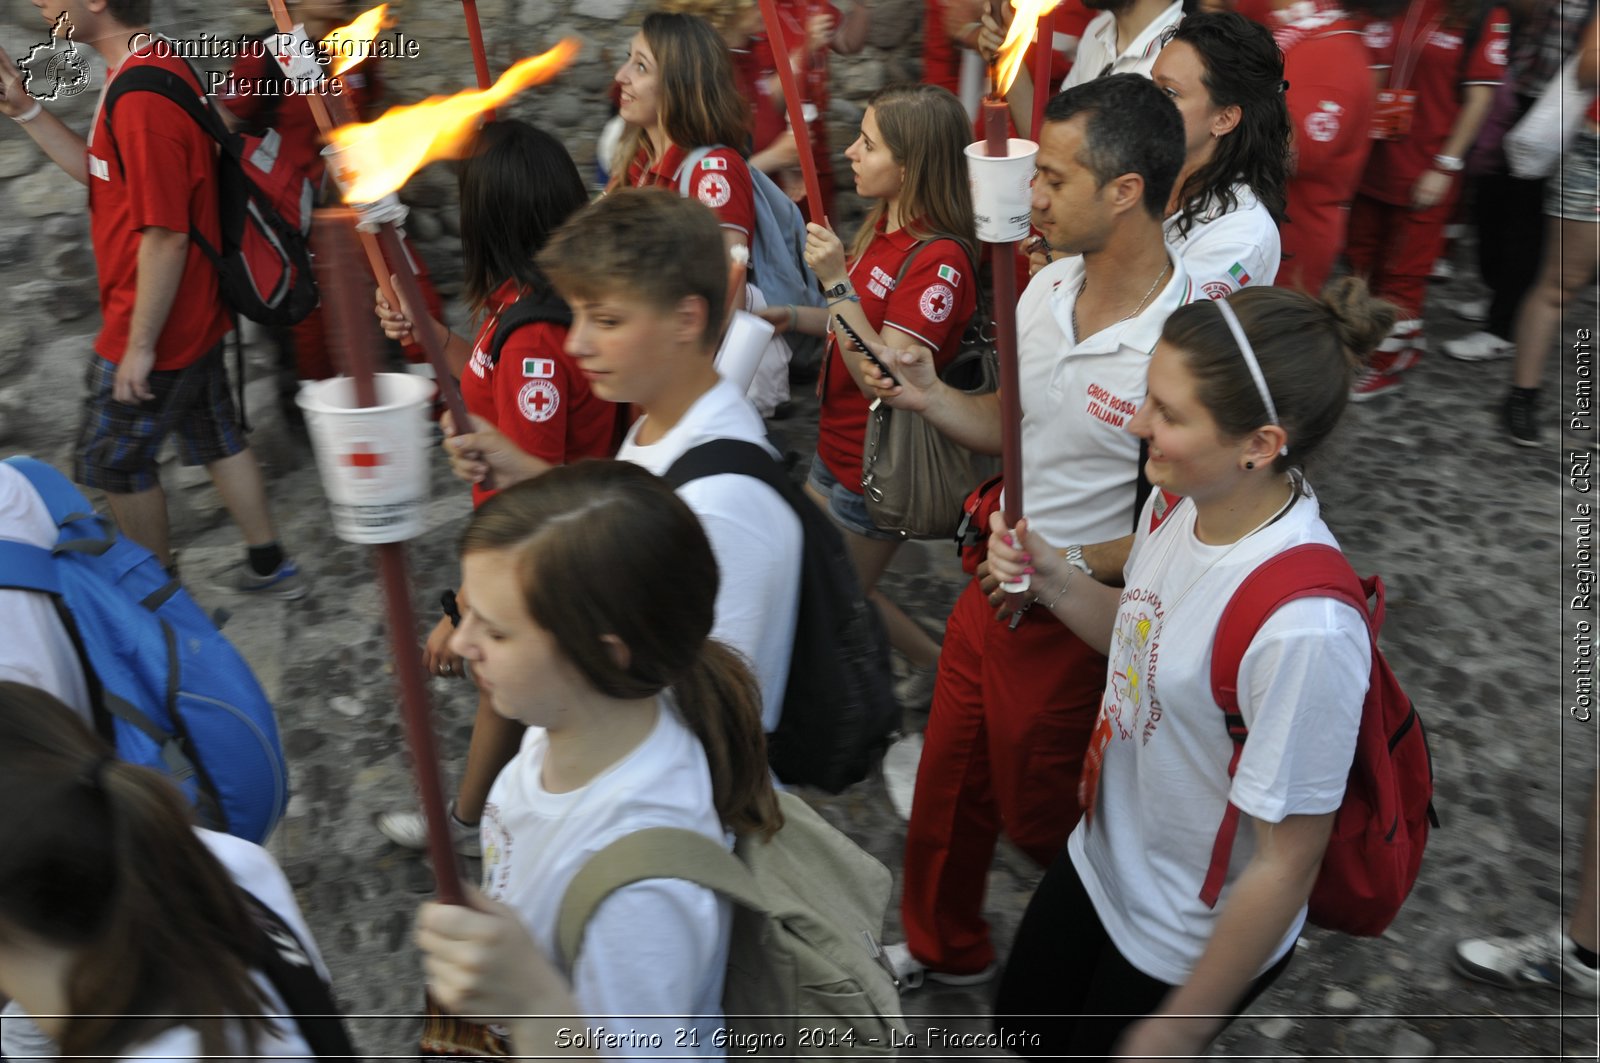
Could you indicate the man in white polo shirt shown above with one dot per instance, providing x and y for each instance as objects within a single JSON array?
[
  {"x": 1124, "y": 38},
  {"x": 1014, "y": 704}
]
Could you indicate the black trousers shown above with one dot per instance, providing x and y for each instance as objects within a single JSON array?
[
  {"x": 1509, "y": 214},
  {"x": 1066, "y": 990}
]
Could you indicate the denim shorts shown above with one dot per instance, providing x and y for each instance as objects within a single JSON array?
[
  {"x": 1570, "y": 193},
  {"x": 847, "y": 508}
]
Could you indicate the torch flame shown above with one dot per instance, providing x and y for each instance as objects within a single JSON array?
[
  {"x": 351, "y": 44},
  {"x": 1023, "y": 23},
  {"x": 375, "y": 158}
]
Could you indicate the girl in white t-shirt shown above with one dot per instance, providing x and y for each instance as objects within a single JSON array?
[
  {"x": 591, "y": 592},
  {"x": 124, "y": 929},
  {"x": 1241, "y": 392}
]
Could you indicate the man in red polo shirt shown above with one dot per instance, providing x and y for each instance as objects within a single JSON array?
[
  {"x": 1331, "y": 96},
  {"x": 157, "y": 365}
]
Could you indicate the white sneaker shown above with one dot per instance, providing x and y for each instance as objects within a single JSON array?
[
  {"x": 1472, "y": 310},
  {"x": 409, "y": 830},
  {"x": 1479, "y": 346},
  {"x": 1443, "y": 270},
  {"x": 1533, "y": 961},
  {"x": 912, "y": 972}
]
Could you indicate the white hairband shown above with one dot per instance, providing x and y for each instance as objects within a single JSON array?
[{"x": 1250, "y": 362}]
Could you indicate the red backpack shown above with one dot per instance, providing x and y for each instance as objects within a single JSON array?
[
  {"x": 265, "y": 201},
  {"x": 1382, "y": 826}
]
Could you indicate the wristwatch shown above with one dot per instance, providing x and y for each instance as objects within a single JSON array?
[
  {"x": 1074, "y": 556},
  {"x": 837, "y": 291},
  {"x": 1448, "y": 164}
]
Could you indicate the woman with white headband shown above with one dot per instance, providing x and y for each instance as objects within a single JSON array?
[{"x": 1117, "y": 941}]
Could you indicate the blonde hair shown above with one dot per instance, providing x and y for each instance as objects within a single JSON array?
[
  {"x": 700, "y": 102},
  {"x": 926, "y": 130}
]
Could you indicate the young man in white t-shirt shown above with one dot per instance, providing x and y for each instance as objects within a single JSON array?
[
  {"x": 1015, "y": 702},
  {"x": 646, "y": 275}
]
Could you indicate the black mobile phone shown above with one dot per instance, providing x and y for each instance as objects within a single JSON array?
[{"x": 844, "y": 326}]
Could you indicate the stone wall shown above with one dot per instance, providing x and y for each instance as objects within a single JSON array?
[{"x": 45, "y": 264}]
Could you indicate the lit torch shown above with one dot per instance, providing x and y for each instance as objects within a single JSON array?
[{"x": 1001, "y": 205}]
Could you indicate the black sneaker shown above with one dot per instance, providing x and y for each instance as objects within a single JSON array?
[{"x": 1521, "y": 413}]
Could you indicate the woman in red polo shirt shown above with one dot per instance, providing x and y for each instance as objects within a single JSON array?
[
  {"x": 1444, "y": 60},
  {"x": 908, "y": 279},
  {"x": 678, "y": 93},
  {"x": 517, "y": 188}
]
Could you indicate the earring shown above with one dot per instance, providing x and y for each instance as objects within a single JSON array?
[{"x": 1249, "y": 464}]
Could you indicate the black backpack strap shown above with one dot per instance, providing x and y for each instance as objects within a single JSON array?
[
  {"x": 284, "y": 959},
  {"x": 171, "y": 86},
  {"x": 720, "y": 456},
  {"x": 526, "y": 311}
]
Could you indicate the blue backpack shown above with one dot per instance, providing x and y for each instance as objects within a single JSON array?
[
  {"x": 168, "y": 689},
  {"x": 778, "y": 246}
]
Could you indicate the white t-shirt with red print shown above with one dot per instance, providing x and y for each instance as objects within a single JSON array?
[
  {"x": 1163, "y": 788},
  {"x": 1225, "y": 250}
]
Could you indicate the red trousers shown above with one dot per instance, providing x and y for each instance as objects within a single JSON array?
[
  {"x": 1395, "y": 248},
  {"x": 1012, "y": 713}
]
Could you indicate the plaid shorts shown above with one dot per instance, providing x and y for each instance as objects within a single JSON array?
[{"x": 118, "y": 443}]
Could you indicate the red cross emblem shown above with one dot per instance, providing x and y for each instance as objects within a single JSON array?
[
  {"x": 538, "y": 400},
  {"x": 938, "y": 303},
  {"x": 364, "y": 460}
]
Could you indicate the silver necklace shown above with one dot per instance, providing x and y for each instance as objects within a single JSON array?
[{"x": 1077, "y": 333}]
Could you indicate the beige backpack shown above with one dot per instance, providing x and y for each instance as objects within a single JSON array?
[{"x": 806, "y": 976}]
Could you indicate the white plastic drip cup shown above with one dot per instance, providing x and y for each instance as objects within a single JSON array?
[
  {"x": 742, "y": 347},
  {"x": 373, "y": 460},
  {"x": 1001, "y": 199}
]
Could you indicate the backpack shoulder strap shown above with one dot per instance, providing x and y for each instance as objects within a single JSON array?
[
  {"x": 171, "y": 86},
  {"x": 26, "y": 567},
  {"x": 690, "y": 161},
  {"x": 526, "y": 311},
  {"x": 1310, "y": 570},
  {"x": 656, "y": 852},
  {"x": 719, "y": 456},
  {"x": 283, "y": 958}
]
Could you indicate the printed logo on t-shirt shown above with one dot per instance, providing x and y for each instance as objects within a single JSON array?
[
  {"x": 937, "y": 301},
  {"x": 884, "y": 280},
  {"x": 479, "y": 364},
  {"x": 1496, "y": 52},
  {"x": 712, "y": 162},
  {"x": 714, "y": 190},
  {"x": 496, "y": 843},
  {"x": 948, "y": 274},
  {"x": 1109, "y": 408},
  {"x": 1322, "y": 124},
  {"x": 1448, "y": 41},
  {"x": 1217, "y": 289},
  {"x": 1379, "y": 35},
  {"x": 1135, "y": 642},
  {"x": 1240, "y": 275},
  {"x": 538, "y": 400},
  {"x": 539, "y": 368}
]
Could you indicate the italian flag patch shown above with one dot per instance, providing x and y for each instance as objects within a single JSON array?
[
  {"x": 713, "y": 163},
  {"x": 539, "y": 368},
  {"x": 948, "y": 274},
  {"x": 1239, "y": 275}
]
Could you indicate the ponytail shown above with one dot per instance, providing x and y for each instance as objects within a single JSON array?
[
  {"x": 102, "y": 860},
  {"x": 720, "y": 701}
]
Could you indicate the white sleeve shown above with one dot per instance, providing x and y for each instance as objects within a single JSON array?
[
  {"x": 1241, "y": 249},
  {"x": 757, "y": 541},
  {"x": 1301, "y": 687},
  {"x": 649, "y": 953}
]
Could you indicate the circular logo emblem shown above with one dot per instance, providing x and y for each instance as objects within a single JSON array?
[
  {"x": 1217, "y": 289},
  {"x": 69, "y": 73},
  {"x": 1379, "y": 35},
  {"x": 1497, "y": 51},
  {"x": 1322, "y": 126},
  {"x": 538, "y": 400},
  {"x": 937, "y": 302},
  {"x": 714, "y": 190}
]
